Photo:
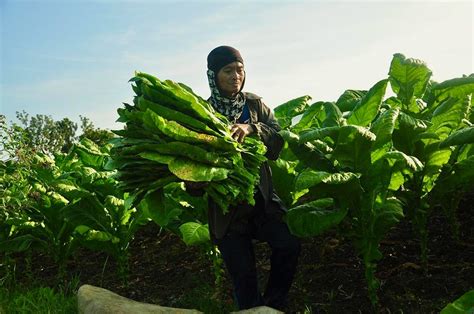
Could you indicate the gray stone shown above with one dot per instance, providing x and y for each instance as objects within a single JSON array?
[
  {"x": 95, "y": 300},
  {"x": 260, "y": 310}
]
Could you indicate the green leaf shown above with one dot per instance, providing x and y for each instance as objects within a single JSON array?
[
  {"x": 194, "y": 233},
  {"x": 368, "y": 107},
  {"x": 406, "y": 137},
  {"x": 384, "y": 216},
  {"x": 460, "y": 177},
  {"x": 435, "y": 160},
  {"x": 407, "y": 120},
  {"x": 463, "y": 171},
  {"x": 309, "y": 117},
  {"x": 160, "y": 208},
  {"x": 116, "y": 208},
  {"x": 97, "y": 240},
  {"x": 70, "y": 190},
  {"x": 172, "y": 129},
  {"x": 174, "y": 96},
  {"x": 57, "y": 199},
  {"x": 312, "y": 219},
  {"x": 289, "y": 136},
  {"x": 426, "y": 136},
  {"x": 449, "y": 116},
  {"x": 383, "y": 128},
  {"x": 353, "y": 148},
  {"x": 310, "y": 156},
  {"x": 19, "y": 243},
  {"x": 189, "y": 170},
  {"x": 287, "y": 111},
  {"x": 408, "y": 78},
  {"x": 457, "y": 88},
  {"x": 309, "y": 178},
  {"x": 388, "y": 214},
  {"x": 318, "y": 133},
  {"x": 197, "y": 104},
  {"x": 160, "y": 158},
  {"x": 462, "y": 305},
  {"x": 349, "y": 99},
  {"x": 466, "y": 151},
  {"x": 333, "y": 115},
  {"x": 410, "y": 161},
  {"x": 88, "y": 211},
  {"x": 283, "y": 177},
  {"x": 194, "y": 152},
  {"x": 460, "y": 137},
  {"x": 90, "y": 154},
  {"x": 174, "y": 115},
  {"x": 344, "y": 187}
]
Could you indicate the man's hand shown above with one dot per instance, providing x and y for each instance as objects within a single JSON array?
[
  {"x": 191, "y": 185},
  {"x": 240, "y": 131},
  {"x": 195, "y": 189}
]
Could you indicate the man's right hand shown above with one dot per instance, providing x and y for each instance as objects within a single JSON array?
[{"x": 195, "y": 189}]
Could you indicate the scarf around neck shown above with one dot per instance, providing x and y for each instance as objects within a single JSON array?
[{"x": 231, "y": 108}]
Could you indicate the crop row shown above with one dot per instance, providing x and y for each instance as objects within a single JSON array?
[{"x": 358, "y": 164}]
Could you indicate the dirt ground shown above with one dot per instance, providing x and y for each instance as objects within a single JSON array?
[{"x": 330, "y": 277}]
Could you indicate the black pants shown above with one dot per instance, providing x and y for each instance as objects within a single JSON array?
[{"x": 238, "y": 254}]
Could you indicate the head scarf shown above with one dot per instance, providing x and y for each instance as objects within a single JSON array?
[{"x": 218, "y": 58}]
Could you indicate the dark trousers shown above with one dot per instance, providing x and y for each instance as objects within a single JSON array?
[{"x": 238, "y": 254}]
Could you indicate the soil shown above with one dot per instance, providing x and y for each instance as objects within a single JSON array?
[{"x": 330, "y": 277}]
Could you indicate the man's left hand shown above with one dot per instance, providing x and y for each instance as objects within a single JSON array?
[{"x": 240, "y": 131}]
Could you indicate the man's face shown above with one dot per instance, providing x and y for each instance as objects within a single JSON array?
[{"x": 230, "y": 79}]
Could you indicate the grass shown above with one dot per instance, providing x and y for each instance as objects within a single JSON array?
[
  {"x": 204, "y": 299},
  {"x": 36, "y": 300}
]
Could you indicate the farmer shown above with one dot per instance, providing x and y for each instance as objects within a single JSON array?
[{"x": 234, "y": 231}]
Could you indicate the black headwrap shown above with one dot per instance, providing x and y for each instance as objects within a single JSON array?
[{"x": 221, "y": 56}]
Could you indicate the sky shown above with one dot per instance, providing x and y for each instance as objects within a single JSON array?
[{"x": 73, "y": 57}]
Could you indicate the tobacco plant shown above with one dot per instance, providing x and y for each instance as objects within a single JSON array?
[{"x": 363, "y": 161}]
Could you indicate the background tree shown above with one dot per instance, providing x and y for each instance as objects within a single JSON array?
[
  {"x": 43, "y": 134},
  {"x": 97, "y": 135},
  {"x": 46, "y": 135}
]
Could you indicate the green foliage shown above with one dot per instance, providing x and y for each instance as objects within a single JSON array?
[
  {"x": 173, "y": 135},
  {"x": 287, "y": 111},
  {"x": 432, "y": 122},
  {"x": 194, "y": 233},
  {"x": 364, "y": 162},
  {"x": 99, "y": 136},
  {"x": 464, "y": 304},
  {"x": 46, "y": 135},
  {"x": 313, "y": 218},
  {"x": 64, "y": 201},
  {"x": 205, "y": 299},
  {"x": 359, "y": 164},
  {"x": 408, "y": 78},
  {"x": 36, "y": 300},
  {"x": 368, "y": 107},
  {"x": 459, "y": 137},
  {"x": 355, "y": 181}
]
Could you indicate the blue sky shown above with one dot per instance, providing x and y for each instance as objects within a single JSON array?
[{"x": 71, "y": 58}]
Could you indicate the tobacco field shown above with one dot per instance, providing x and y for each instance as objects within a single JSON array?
[{"x": 379, "y": 186}]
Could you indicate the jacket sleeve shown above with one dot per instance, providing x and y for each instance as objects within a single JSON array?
[{"x": 267, "y": 129}]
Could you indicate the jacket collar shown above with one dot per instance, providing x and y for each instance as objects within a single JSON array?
[{"x": 252, "y": 103}]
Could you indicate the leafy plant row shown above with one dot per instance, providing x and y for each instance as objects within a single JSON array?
[
  {"x": 365, "y": 161},
  {"x": 56, "y": 203},
  {"x": 360, "y": 164}
]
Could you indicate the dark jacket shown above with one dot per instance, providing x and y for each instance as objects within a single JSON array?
[{"x": 266, "y": 127}]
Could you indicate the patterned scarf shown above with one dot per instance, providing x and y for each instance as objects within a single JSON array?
[{"x": 230, "y": 108}]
